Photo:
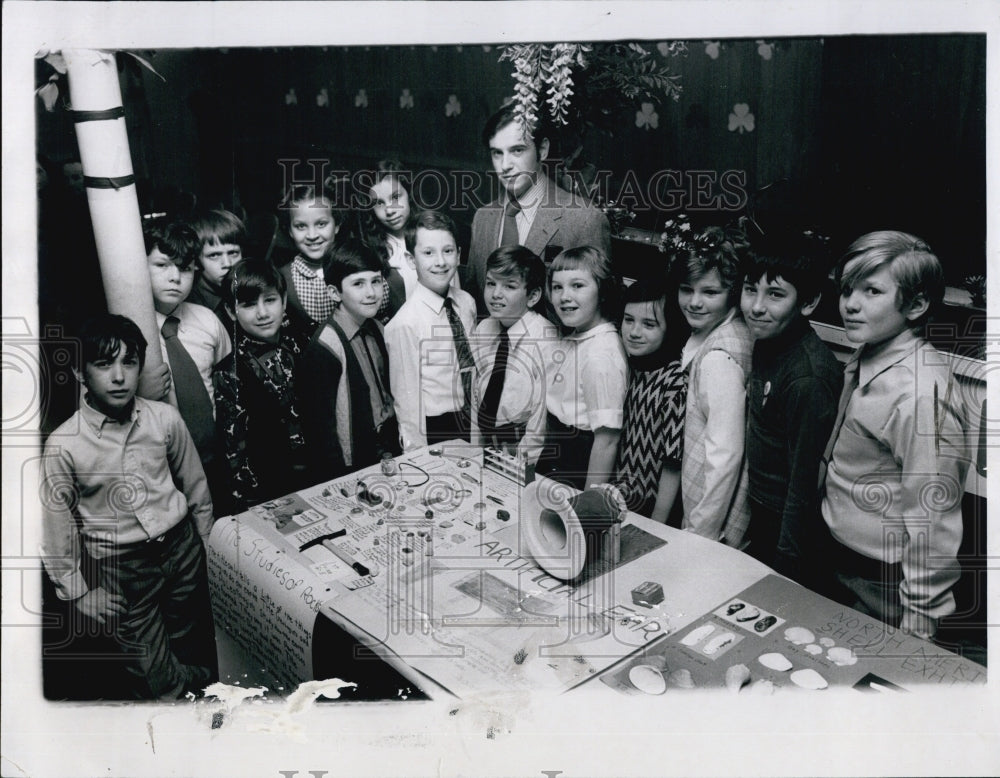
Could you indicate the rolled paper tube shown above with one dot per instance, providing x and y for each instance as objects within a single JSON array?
[{"x": 95, "y": 95}]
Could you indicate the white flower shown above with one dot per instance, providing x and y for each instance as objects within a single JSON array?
[
  {"x": 406, "y": 99},
  {"x": 323, "y": 98},
  {"x": 291, "y": 98},
  {"x": 712, "y": 48},
  {"x": 765, "y": 49},
  {"x": 453, "y": 107},
  {"x": 361, "y": 99}
]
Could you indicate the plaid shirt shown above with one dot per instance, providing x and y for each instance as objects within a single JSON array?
[{"x": 312, "y": 290}]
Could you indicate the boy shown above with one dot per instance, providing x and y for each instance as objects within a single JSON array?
[
  {"x": 343, "y": 376},
  {"x": 897, "y": 457},
  {"x": 257, "y": 418},
  {"x": 222, "y": 237},
  {"x": 531, "y": 211},
  {"x": 792, "y": 400},
  {"x": 192, "y": 338},
  {"x": 431, "y": 365},
  {"x": 509, "y": 390},
  {"x": 124, "y": 478}
]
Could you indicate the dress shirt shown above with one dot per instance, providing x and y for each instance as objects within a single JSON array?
[
  {"x": 205, "y": 339},
  {"x": 423, "y": 362},
  {"x": 369, "y": 355},
  {"x": 522, "y": 401},
  {"x": 125, "y": 482},
  {"x": 894, "y": 484},
  {"x": 587, "y": 377},
  {"x": 529, "y": 201}
]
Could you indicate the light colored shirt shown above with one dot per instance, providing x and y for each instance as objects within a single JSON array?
[
  {"x": 373, "y": 367},
  {"x": 587, "y": 377},
  {"x": 894, "y": 483},
  {"x": 205, "y": 339},
  {"x": 125, "y": 482},
  {"x": 522, "y": 400},
  {"x": 423, "y": 362},
  {"x": 713, "y": 471},
  {"x": 529, "y": 201}
]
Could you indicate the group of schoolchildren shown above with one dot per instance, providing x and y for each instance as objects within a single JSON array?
[{"x": 704, "y": 396}]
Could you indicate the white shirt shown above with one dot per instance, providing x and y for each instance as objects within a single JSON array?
[
  {"x": 423, "y": 362},
  {"x": 206, "y": 340},
  {"x": 523, "y": 398},
  {"x": 587, "y": 377}
]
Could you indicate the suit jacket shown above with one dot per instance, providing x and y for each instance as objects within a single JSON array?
[{"x": 562, "y": 221}]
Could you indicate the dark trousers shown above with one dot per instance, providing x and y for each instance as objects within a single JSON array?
[
  {"x": 166, "y": 632},
  {"x": 565, "y": 455},
  {"x": 801, "y": 553},
  {"x": 867, "y": 585},
  {"x": 449, "y": 426}
]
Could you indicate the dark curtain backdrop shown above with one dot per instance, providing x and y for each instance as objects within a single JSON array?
[{"x": 863, "y": 131}]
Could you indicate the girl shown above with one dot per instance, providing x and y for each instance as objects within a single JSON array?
[
  {"x": 383, "y": 227},
  {"x": 309, "y": 216},
  {"x": 587, "y": 373},
  {"x": 717, "y": 359},
  {"x": 649, "y": 458},
  {"x": 256, "y": 417}
]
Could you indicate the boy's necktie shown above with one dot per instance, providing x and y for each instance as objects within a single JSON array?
[
  {"x": 850, "y": 384},
  {"x": 509, "y": 236},
  {"x": 490, "y": 406},
  {"x": 192, "y": 398},
  {"x": 466, "y": 364}
]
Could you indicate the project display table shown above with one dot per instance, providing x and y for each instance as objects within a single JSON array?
[{"x": 426, "y": 567}]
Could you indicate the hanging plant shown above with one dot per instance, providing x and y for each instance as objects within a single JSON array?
[
  {"x": 604, "y": 78},
  {"x": 588, "y": 87}
]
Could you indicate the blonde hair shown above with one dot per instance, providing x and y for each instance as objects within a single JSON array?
[
  {"x": 595, "y": 262},
  {"x": 912, "y": 265}
]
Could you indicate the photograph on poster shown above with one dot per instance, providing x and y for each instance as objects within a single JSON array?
[{"x": 454, "y": 383}]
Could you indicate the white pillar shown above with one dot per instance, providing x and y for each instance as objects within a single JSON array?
[{"x": 114, "y": 212}]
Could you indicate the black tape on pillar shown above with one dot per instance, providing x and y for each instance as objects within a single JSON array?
[
  {"x": 108, "y": 182},
  {"x": 108, "y": 114}
]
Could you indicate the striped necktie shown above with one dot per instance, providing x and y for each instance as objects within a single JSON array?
[{"x": 466, "y": 363}]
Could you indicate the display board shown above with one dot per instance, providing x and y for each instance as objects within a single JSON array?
[
  {"x": 788, "y": 638},
  {"x": 423, "y": 560}
]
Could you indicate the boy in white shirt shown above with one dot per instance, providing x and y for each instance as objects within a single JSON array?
[
  {"x": 509, "y": 390},
  {"x": 431, "y": 366}
]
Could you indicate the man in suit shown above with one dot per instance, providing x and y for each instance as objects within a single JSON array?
[{"x": 531, "y": 210}]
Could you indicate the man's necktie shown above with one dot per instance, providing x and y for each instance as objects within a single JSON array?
[
  {"x": 490, "y": 406},
  {"x": 509, "y": 236},
  {"x": 192, "y": 397},
  {"x": 466, "y": 363},
  {"x": 850, "y": 384}
]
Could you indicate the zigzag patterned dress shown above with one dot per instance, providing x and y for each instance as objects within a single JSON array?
[{"x": 653, "y": 433}]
